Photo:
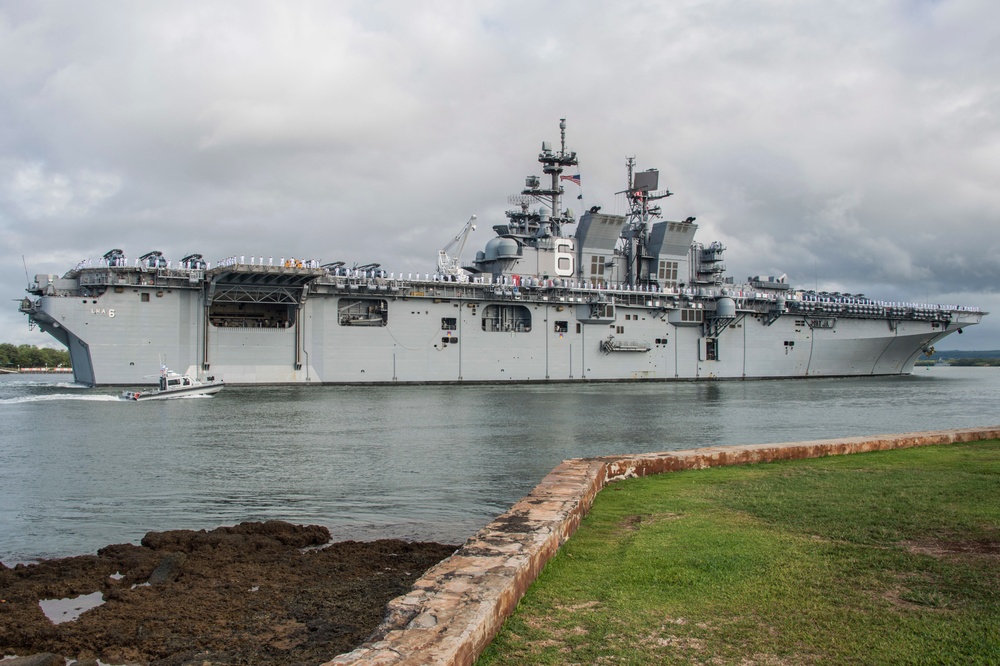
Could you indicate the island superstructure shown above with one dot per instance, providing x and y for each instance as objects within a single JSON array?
[{"x": 550, "y": 298}]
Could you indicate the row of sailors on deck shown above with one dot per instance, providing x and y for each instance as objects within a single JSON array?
[
  {"x": 117, "y": 261},
  {"x": 121, "y": 261},
  {"x": 516, "y": 281},
  {"x": 259, "y": 261},
  {"x": 855, "y": 300},
  {"x": 519, "y": 281}
]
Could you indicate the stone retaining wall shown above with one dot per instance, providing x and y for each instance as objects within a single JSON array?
[{"x": 455, "y": 609}]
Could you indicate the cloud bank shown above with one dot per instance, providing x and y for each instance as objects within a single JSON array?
[{"x": 853, "y": 146}]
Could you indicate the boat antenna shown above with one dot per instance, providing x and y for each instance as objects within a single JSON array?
[{"x": 26, "y": 271}]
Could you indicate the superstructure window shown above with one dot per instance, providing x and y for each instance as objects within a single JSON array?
[
  {"x": 597, "y": 269},
  {"x": 562, "y": 327},
  {"x": 667, "y": 274},
  {"x": 449, "y": 323},
  {"x": 694, "y": 316}
]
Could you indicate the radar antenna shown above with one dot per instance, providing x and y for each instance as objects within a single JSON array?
[
  {"x": 642, "y": 191},
  {"x": 553, "y": 162}
]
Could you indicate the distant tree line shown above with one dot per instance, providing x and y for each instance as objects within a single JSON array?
[
  {"x": 964, "y": 353},
  {"x": 29, "y": 356},
  {"x": 974, "y": 361},
  {"x": 965, "y": 357}
]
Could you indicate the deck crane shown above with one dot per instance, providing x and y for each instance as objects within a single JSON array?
[{"x": 448, "y": 265}]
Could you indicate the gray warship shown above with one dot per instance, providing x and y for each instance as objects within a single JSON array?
[{"x": 550, "y": 298}]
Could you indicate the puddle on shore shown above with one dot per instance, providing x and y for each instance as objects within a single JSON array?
[{"x": 67, "y": 610}]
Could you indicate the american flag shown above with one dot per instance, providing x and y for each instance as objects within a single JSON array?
[{"x": 575, "y": 179}]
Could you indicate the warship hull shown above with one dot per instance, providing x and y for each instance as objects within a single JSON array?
[
  {"x": 622, "y": 298},
  {"x": 433, "y": 332}
]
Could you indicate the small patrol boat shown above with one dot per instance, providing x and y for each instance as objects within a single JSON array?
[{"x": 173, "y": 385}]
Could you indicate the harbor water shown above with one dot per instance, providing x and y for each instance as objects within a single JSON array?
[{"x": 80, "y": 469}]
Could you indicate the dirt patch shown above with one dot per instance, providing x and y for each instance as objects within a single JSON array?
[
  {"x": 907, "y": 599},
  {"x": 252, "y": 593},
  {"x": 989, "y": 548},
  {"x": 634, "y": 522}
]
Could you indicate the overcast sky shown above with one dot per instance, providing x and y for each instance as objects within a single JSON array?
[{"x": 854, "y": 146}]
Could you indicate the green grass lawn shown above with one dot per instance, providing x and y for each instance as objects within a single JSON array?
[{"x": 877, "y": 558}]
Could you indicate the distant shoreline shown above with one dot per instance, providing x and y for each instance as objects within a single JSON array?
[{"x": 34, "y": 371}]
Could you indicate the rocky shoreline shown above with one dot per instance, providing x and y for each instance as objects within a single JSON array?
[{"x": 268, "y": 592}]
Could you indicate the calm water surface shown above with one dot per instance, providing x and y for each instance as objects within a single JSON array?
[{"x": 80, "y": 469}]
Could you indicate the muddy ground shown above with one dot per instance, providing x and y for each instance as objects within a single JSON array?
[{"x": 255, "y": 593}]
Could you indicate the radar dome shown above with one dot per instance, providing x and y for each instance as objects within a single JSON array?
[
  {"x": 726, "y": 307},
  {"x": 506, "y": 248},
  {"x": 490, "y": 252}
]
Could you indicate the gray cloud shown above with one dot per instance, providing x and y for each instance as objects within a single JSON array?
[{"x": 853, "y": 147}]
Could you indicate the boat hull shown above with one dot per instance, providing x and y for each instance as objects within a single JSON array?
[{"x": 186, "y": 392}]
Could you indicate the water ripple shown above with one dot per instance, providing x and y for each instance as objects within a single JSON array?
[{"x": 79, "y": 471}]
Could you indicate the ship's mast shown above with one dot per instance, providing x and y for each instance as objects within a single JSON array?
[
  {"x": 553, "y": 163},
  {"x": 641, "y": 193}
]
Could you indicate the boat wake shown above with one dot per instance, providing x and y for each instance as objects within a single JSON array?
[
  {"x": 57, "y": 396},
  {"x": 27, "y": 383}
]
